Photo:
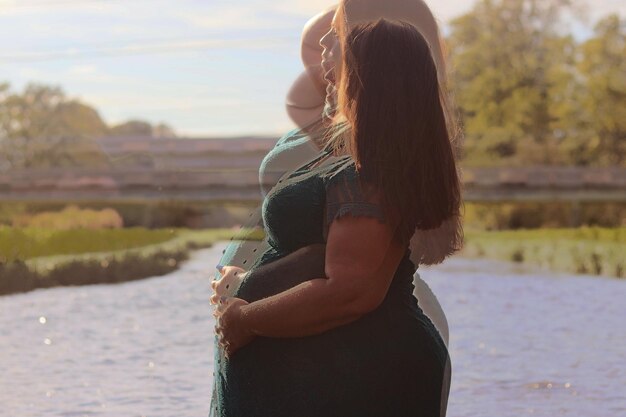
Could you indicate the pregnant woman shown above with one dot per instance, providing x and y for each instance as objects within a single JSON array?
[
  {"x": 353, "y": 340},
  {"x": 310, "y": 103}
]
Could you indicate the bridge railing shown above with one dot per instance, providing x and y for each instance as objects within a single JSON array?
[{"x": 480, "y": 184}]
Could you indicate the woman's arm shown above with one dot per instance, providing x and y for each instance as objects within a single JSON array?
[{"x": 360, "y": 262}]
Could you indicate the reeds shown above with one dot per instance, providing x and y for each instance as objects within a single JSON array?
[{"x": 594, "y": 251}]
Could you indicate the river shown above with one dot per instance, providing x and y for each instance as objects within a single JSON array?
[{"x": 523, "y": 343}]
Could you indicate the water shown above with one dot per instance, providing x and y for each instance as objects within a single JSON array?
[
  {"x": 522, "y": 343},
  {"x": 532, "y": 343}
]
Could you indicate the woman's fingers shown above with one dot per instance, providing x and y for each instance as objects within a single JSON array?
[
  {"x": 219, "y": 329},
  {"x": 222, "y": 302},
  {"x": 228, "y": 282},
  {"x": 214, "y": 298},
  {"x": 220, "y": 287},
  {"x": 221, "y": 306},
  {"x": 230, "y": 333},
  {"x": 217, "y": 298}
]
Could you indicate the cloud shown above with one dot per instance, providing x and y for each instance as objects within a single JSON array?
[
  {"x": 150, "y": 48},
  {"x": 443, "y": 10},
  {"x": 202, "y": 66},
  {"x": 23, "y": 8},
  {"x": 301, "y": 7},
  {"x": 600, "y": 8},
  {"x": 82, "y": 69},
  {"x": 231, "y": 17},
  {"x": 32, "y": 73},
  {"x": 91, "y": 74},
  {"x": 158, "y": 101}
]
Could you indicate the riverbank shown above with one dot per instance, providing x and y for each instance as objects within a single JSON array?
[
  {"x": 34, "y": 259},
  {"x": 593, "y": 251}
]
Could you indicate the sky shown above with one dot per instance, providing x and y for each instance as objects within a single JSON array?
[{"x": 210, "y": 68}]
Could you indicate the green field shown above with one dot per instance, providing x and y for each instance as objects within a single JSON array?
[
  {"x": 28, "y": 243},
  {"x": 36, "y": 258},
  {"x": 595, "y": 251}
]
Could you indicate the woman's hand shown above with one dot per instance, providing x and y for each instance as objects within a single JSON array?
[
  {"x": 232, "y": 332},
  {"x": 228, "y": 283}
]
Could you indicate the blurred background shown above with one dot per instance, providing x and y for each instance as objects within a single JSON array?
[{"x": 131, "y": 134}]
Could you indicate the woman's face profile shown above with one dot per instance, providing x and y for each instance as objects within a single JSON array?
[{"x": 331, "y": 54}]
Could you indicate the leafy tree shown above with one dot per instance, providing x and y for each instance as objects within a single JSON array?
[
  {"x": 509, "y": 63},
  {"x": 163, "y": 130},
  {"x": 603, "y": 65},
  {"x": 132, "y": 128},
  {"x": 142, "y": 128},
  {"x": 42, "y": 128}
]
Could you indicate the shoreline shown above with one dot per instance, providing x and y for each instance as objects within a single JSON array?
[
  {"x": 105, "y": 267},
  {"x": 586, "y": 251}
]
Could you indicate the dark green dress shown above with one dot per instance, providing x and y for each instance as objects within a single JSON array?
[{"x": 389, "y": 362}]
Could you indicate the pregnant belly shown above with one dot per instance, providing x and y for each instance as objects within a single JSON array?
[
  {"x": 384, "y": 354},
  {"x": 277, "y": 273}
]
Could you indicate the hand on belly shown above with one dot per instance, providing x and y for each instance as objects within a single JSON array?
[{"x": 231, "y": 277}]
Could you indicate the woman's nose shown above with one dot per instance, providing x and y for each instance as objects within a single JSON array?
[{"x": 324, "y": 39}]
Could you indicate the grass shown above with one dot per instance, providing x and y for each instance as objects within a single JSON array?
[
  {"x": 595, "y": 251},
  {"x": 28, "y": 243},
  {"x": 33, "y": 258},
  {"x": 81, "y": 257}
]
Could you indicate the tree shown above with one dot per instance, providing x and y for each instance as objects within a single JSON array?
[
  {"x": 42, "y": 127},
  {"x": 142, "y": 128},
  {"x": 603, "y": 66},
  {"x": 509, "y": 62},
  {"x": 132, "y": 128},
  {"x": 163, "y": 130}
]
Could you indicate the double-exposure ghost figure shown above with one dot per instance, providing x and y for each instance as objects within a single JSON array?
[{"x": 260, "y": 262}]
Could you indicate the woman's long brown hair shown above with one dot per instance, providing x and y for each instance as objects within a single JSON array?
[{"x": 390, "y": 96}]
